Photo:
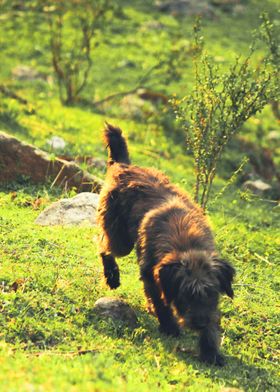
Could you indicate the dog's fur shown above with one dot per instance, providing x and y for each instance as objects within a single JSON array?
[{"x": 182, "y": 274}]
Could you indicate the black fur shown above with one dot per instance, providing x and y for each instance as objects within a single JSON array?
[
  {"x": 181, "y": 271},
  {"x": 117, "y": 145}
]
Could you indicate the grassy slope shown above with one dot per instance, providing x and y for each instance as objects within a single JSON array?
[{"x": 48, "y": 320}]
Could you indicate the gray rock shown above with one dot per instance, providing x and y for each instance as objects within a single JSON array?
[
  {"x": 116, "y": 309},
  {"x": 274, "y": 136},
  {"x": 231, "y": 390},
  {"x": 135, "y": 107},
  {"x": 98, "y": 163},
  {"x": 152, "y": 25},
  {"x": 56, "y": 142},
  {"x": 25, "y": 72},
  {"x": 186, "y": 7},
  {"x": 79, "y": 210},
  {"x": 126, "y": 64},
  {"x": 258, "y": 187},
  {"x": 238, "y": 9}
]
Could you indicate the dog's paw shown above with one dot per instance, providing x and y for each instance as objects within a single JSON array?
[
  {"x": 113, "y": 284},
  {"x": 113, "y": 280},
  {"x": 216, "y": 359},
  {"x": 170, "y": 329}
]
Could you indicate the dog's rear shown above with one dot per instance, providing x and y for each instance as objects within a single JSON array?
[{"x": 116, "y": 144}]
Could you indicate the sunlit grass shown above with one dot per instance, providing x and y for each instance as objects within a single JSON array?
[{"x": 50, "y": 277}]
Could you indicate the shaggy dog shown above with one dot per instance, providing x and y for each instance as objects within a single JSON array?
[{"x": 181, "y": 271}]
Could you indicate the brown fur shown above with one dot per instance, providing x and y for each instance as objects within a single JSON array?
[{"x": 181, "y": 272}]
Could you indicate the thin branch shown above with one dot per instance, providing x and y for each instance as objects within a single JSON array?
[
  {"x": 141, "y": 82},
  {"x": 10, "y": 94}
]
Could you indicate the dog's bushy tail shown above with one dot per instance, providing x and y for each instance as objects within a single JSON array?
[{"x": 116, "y": 143}]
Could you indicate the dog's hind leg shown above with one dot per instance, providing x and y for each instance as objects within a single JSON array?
[
  {"x": 115, "y": 246},
  {"x": 116, "y": 235},
  {"x": 168, "y": 324}
]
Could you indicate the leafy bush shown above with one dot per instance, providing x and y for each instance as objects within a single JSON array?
[
  {"x": 216, "y": 110},
  {"x": 270, "y": 34}
]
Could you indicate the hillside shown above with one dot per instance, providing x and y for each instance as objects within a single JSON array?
[{"x": 50, "y": 277}]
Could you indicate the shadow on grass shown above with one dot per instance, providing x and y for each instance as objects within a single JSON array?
[
  {"x": 145, "y": 6},
  {"x": 9, "y": 123},
  {"x": 236, "y": 373},
  {"x": 33, "y": 190}
]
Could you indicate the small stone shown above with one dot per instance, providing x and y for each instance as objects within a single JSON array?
[
  {"x": 258, "y": 187},
  {"x": 186, "y": 7},
  {"x": 126, "y": 64},
  {"x": 152, "y": 25},
  {"x": 56, "y": 143},
  {"x": 78, "y": 210},
  {"x": 116, "y": 309},
  {"x": 274, "y": 136},
  {"x": 135, "y": 107},
  {"x": 97, "y": 163},
  {"x": 238, "y": 9},
  {"x": 24, "y": 72}
]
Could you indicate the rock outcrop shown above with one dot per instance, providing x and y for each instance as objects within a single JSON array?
[{"x": 19, "y": 159}]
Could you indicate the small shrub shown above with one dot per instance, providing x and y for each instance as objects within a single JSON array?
[
  {"x": 216, "y": 110},
  {"x": 74, "y": 26},
  {"x": 270, "y": 34}
]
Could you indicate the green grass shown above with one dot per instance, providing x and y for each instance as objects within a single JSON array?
[
  {"x": 48, "y": 320},
  {"x": 50, "y": 277}
]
